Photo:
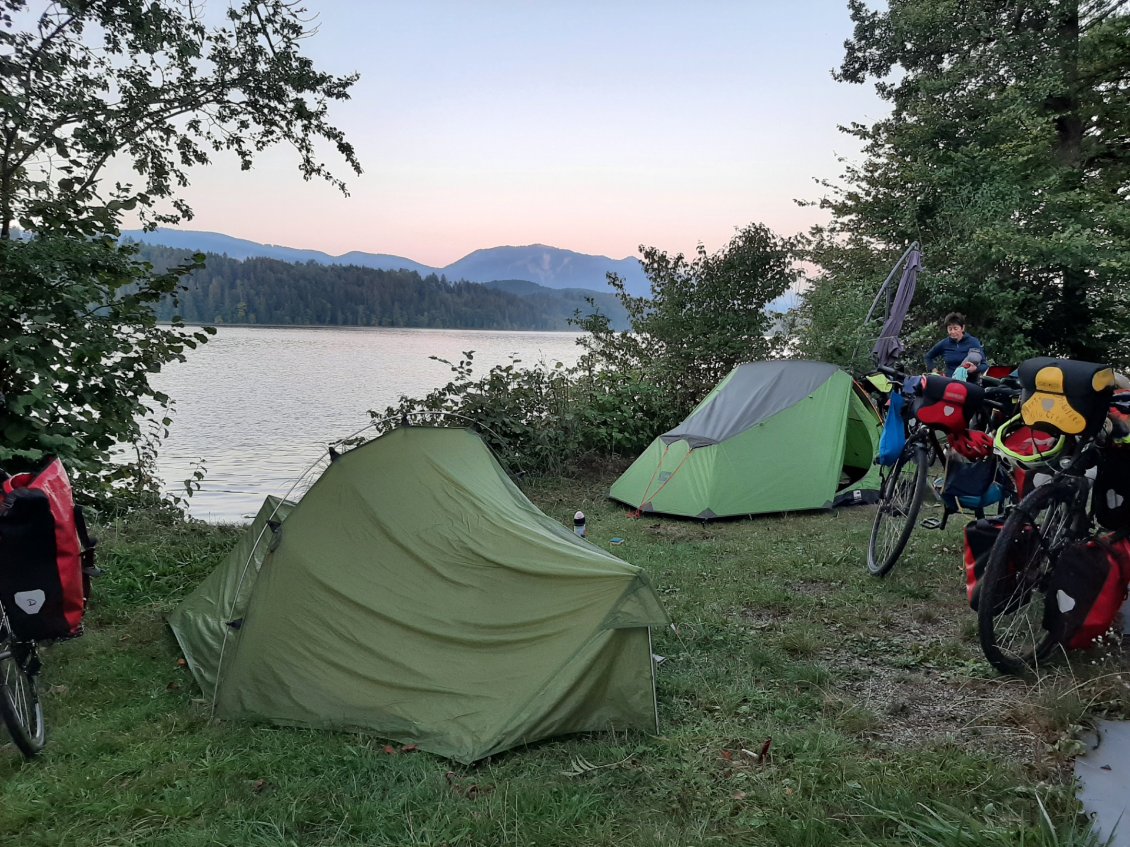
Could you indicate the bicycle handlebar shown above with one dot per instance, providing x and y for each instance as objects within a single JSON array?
[{"x": 893, "y": 373}]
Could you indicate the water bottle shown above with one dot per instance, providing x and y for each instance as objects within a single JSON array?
[{"x": 579, "y": 524}]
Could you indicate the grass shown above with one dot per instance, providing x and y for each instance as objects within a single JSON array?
[{"x": 803, "y": 702}]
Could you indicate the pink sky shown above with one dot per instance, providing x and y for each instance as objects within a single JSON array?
[{"x": 591, "y": 126}]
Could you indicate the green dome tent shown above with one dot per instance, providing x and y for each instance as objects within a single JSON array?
[
  {"x": 775, "y": 436},
  {"x": 415, "y": 592}
]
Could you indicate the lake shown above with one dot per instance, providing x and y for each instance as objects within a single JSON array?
[{"x": 258, "y": 406}]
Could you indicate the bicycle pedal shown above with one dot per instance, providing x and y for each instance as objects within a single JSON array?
[{"x": 931, "y": 523}]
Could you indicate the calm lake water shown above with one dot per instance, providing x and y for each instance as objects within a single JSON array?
[{"x": 259, "y": 405}]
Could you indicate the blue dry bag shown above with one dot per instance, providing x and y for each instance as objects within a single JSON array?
[{"x": 893, "y": 438}]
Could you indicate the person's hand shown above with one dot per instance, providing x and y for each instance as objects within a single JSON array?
[{"x": 969, "y": 367}]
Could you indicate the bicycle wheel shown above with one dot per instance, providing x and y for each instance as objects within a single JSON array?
[
  {"x": 899, "y": 502},
  {"x": 1016, "y": 630},
  {"x": 19, "y": 696}
]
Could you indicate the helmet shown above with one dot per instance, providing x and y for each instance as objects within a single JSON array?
[
  {"x": 972, "y": 444},
  {"x": 1025, "y": 448}
]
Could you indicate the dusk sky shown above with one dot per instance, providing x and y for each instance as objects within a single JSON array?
[{"x": 591, "y": 126}]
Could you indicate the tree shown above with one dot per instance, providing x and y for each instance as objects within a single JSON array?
[
  {"x": 87, "y": 86},
  {"x": 77, "y": 343},
  {"x": 705, "y": 316},
  {"x": 1007, "y": 156}
]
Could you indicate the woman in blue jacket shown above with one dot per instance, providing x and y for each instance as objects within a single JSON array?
[{"x": 958, "y": 349}]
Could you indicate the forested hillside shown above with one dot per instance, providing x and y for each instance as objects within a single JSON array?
[{"x": 269, "y": 291}]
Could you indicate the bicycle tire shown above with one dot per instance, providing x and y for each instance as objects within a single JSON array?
[
  {"x": 1016, "y": 632},
  {"x": 897, "y": 512},
  {"x": 20, "y": 707}
]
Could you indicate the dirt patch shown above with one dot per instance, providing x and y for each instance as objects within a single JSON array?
[
  {"x": 761, "y": 618},
  {"x": 920, "y": 681},
  {"x": 916, "y": 707}
]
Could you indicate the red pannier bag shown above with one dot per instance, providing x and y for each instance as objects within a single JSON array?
[
  {"x": 947, "y": 404},
  {"x": 42, "y": 556},
  {"x": 1088, "y": 587},
  {"x": 980, "y": 536}
]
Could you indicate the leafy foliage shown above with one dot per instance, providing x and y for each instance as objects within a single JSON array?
[
  {"x": 1004, "y": 155},
  {"x": 78, "y": 341},
  {"x": 91, "y": 86},
  {"x": 537, "y": 419},
  {"x": 829, "y": 324},
  {"x": 705, "y": 316},
  {"x": 151, "y": 83}
]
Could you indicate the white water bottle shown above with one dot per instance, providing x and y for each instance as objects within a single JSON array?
[{"x": 579, "y": 524}]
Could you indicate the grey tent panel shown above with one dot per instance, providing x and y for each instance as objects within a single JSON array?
[{"x": 754, "y": 392}]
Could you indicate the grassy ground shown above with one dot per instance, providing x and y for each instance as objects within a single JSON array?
[{"x": 802, "y": 702}]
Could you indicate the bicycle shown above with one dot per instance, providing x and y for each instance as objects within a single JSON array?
[
  {"x": 903, "y": 488},
  {"x": 20, "y": 706},
  {"x": 1019, "y": 625}
]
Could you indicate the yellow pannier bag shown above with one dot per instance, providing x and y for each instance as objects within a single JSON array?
[{"x": 1065, "y": 396}]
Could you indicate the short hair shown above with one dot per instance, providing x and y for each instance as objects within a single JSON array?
[{"x": 955, "y": 319}]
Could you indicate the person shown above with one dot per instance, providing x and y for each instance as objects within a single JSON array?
[{"x": 958, "y": 349}]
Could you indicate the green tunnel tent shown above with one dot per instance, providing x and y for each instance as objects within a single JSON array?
[
  {"x": 776, "y": 436},
  {"x": 416, "y": 593}
]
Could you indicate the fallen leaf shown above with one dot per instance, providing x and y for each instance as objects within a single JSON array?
[
  {"x": 182, "y": 663},
  {"x": 390, "y": 750},
  {"x": 409, "y": 748}
]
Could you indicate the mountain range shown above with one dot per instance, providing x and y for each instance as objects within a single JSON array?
[{"x": 549, "y": 267}]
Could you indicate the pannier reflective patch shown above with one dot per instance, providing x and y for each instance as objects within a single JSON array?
[
  {"x": 30, "y": 602},
  {"x": 949, "y": 410},
  {"x": 1114, "y": 499},
  {"x": 1064, "y": 600}
]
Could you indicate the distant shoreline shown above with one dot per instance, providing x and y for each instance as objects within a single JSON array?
[{"x": 360, "y": 328}]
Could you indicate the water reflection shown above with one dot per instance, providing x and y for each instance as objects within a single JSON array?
[{"x": 259, "y": 405}]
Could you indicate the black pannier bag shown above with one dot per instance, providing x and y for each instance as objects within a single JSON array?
[
  {"x": 1110, "y": 495},
  {"x": 1065, "y": 396},
  {"x": 947, "y": 404},
  {"x": 43, "y": 551}
]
